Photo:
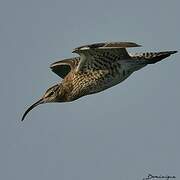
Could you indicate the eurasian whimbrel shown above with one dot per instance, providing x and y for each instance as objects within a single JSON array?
[{"x": 99, "y": 66}]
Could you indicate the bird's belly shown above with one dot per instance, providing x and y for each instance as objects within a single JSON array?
[{"x": 95, "y": 81}]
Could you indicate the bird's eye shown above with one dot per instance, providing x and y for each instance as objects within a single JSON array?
[{"x": 51, "y": 93}]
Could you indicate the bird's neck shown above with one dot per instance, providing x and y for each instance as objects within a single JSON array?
[{"x": 65, "y": 92}]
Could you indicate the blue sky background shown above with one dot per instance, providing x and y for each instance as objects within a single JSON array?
[{"x": 122, "y": 133}]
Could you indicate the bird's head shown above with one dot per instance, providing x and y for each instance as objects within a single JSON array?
[{"x": 53, "y": 94}]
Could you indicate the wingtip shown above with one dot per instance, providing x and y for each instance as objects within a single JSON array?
[
  {"x": 74, "y": 51},
  {"x": 173, "y": 52},
  {"x": 138, "y": 45},
  {"x": 51, "y": 66}
]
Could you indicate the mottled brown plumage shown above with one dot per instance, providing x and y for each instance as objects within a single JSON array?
[{"x": 99, "y": 66}]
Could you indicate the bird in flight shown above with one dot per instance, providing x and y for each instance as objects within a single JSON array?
[{"x": 99, "y": 66}]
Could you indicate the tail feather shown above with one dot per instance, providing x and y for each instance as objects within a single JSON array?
[{"x": 152, "y": 57}]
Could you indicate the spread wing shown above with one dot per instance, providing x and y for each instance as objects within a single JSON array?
[
  {"x": 100, "y": 55},
  {"x": 63, "y": 67}
]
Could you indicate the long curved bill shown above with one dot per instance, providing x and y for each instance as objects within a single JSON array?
[{"x": 31, "y": 107}]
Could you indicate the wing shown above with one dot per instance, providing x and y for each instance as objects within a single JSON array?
[
  {"x": 101, "y": 55},
  {"x": 63, "y": 67}
]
